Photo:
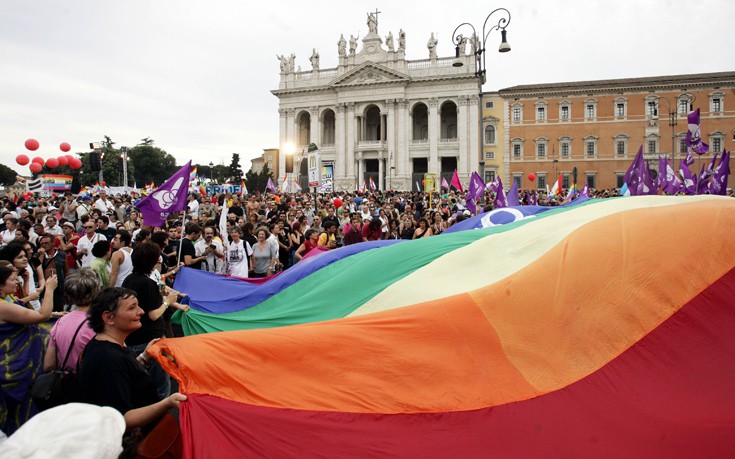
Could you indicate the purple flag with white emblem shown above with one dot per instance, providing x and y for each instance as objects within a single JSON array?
[
  {"x": 500, "y": 199},
  {"x": 471, "y": 206},
  {"x": 512, "y": 196},
  {"x": 689, "y": 160},
  {"x": 476, "y": 188},
  {"x": 585, "y": 193},
  {"x": 689, "y": 182},
  {"x": 634, "y": 175},
  {"x": 670, "y": 182},
  {"x": 168, "y": 198},
  {"x": 532, "y": 199},
  {"x": 705, "y": 175},
  {"x": 694, "y": 136},
  {"x": 719, "y": 180}
]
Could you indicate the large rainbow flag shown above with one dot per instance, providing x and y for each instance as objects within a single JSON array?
[{"x": 599, "y": 330}]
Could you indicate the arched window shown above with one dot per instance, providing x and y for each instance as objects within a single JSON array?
[{"x": 489, "y": 135}]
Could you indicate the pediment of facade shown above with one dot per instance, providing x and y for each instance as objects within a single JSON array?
[{"x": 369, "y": 73}]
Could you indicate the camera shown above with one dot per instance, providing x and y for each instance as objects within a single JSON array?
[{"x": 213, "y": 247}]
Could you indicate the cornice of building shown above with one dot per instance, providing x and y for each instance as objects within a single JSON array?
[{"x": 669, "y": 82}]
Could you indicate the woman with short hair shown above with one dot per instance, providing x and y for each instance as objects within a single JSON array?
[{"x": 111, "y": 374}]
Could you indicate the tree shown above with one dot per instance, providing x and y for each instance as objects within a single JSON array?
[
  {"x": 7, "y": 175},
  {"x": 258, "y": 181},
  {"x": 235, "y": 171},
  {"x": 151, "y": 164}
]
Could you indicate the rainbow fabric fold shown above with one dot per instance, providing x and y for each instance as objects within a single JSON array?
[{"x": 603, "y": 330}]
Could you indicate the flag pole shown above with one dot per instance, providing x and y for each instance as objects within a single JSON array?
[{"x": 181, "y": 239}]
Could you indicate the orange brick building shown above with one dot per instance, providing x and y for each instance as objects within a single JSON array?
[{"x": 598, "y": 126}]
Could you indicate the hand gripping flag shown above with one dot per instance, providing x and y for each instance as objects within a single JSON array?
[
  {"x": 694, "y": 136},
  {"x": 170, "y": 197}
]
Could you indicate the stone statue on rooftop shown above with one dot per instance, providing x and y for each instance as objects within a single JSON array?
[
  {"x": 372, "y": 22},
  {"x": 431, "y": 44},
  {"x": 389, "y": 42},
  {"x": 401, "y": 41},
  {"x": 342, "y": 46},
  {"x": 353, "y": 45},
  {"x": 314, "y": 59}
]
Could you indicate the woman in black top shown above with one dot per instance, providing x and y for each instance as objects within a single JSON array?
[
  {"x": 110, "y": 373},
  {"x": 149, "y": 297}
]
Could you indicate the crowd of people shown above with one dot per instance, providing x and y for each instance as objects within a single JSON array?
[{"x": 87, "y": 286}]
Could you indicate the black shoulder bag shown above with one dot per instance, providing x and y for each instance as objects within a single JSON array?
[{"x": 59, "y": 386}]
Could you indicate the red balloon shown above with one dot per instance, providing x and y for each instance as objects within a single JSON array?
[
  {"x": 52, "y": 163},
  {"x": 337, "y": 203},
  {"x": 532, "y": 176},
  {"x": 22, "y": 160},
  {"x": 65, "y": 147},
  {"x": 32, "y": 144},
  {"x": 35, "y": 168},
  {"x": 63, "y": 161},
  {"x": 38, "y": 160},
  {"x": 75, "y": 163},
  {"x": 103, "y": 183}
]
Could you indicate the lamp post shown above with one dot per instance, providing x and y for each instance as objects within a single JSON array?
[
  {"x": 673, "y": 116},
  {"x": 124, "y": 151},
  {"x": 479, "y": 44}
]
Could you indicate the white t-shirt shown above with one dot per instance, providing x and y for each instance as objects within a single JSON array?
[
  {"x": 85, "y": 243},
  {"x": 214, "y": 264},
  {"x": 193, "y": 208},
  {"x": 238, "y": 255}
]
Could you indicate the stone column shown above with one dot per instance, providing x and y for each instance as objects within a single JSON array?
[
  {"x": 314, "y": 132},
  {"x": 465, "y": 158},
  {"x": 282, "y": 139},
  {"x": 341, "y": 161},
  {"x": 381, "y": 171},
  {"x": 400, "y": 152},
  {"x": 360, "y": 170},
  {"x": 474, "y": 143},
  {"x": 350, "y": 141},
  {"x": 390, "y": 134},
  {"x": 434, "y": 131}
]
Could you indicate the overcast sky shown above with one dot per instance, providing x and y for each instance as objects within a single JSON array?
[{"x": 196, "y": 76}]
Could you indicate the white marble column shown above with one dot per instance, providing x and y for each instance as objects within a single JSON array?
[
  {"x": 464, "y": 159},
  {"x": 474, "y": 143},
  {"x": 315, "y": 134},
  {"x": 434, "y": 132},
  {"x": 360, "y": 170},
  {"x": 381, "y": 172},
  {"x": 350, "y": 141},
  {"x": 341, "y": 162},
  {"x": 401, "y": 141},
  {"x": 282, "y": 139}
]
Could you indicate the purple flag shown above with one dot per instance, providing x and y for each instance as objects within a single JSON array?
[
  {"x": 585, "y": 193},
  {"x": 689, "y": 160},
  {"x": 688, "y": 185},
  {"x": 633, "y": 176},
  {"x": 669, "y": 181},
  {"x": 694, "y": 136},
  {"x": 721, "y": 174},
  {"x": 168, "y": 198},
  {"x": 705, "y": 176},
  {"x": 270, "y": 186},
  {"x": 470, "y": 204},
  {"x": 476, "y": 188},
  {"x": 444, "y": 183},
  {"x": 512, "y": 197},
  {"x": 500, "y": 199}
]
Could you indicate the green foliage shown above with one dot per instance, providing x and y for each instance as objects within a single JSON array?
[
  {"x": 235, "y": 170},
  {"x": 257, "y": 182},
  {"x": 7, "y": 175}
]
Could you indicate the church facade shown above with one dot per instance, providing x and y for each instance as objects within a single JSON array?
[{"x": 380, "y": 116}]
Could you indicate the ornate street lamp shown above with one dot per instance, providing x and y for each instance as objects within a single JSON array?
[{"x": 479, "y": 45}]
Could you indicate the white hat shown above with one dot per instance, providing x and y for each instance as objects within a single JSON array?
[{"x": 74, "y": 430}]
